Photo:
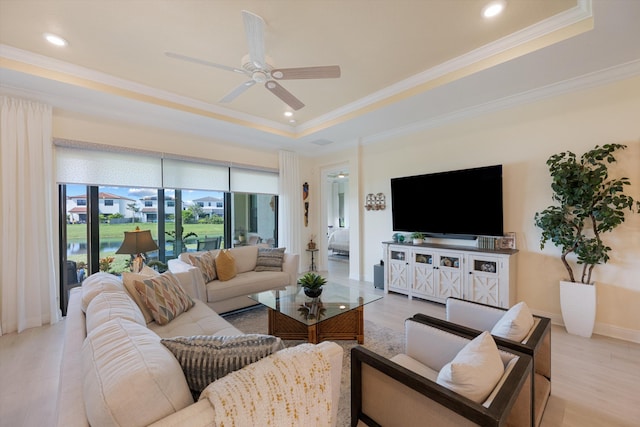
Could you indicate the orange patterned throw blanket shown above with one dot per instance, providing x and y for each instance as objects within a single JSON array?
[{"x": 289, "y": 388}]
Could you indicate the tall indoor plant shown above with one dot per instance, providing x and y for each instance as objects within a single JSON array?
[{"x": 590, "y": 203}]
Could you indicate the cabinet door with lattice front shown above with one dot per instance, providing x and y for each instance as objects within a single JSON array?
[
  {"x": 484, "y": 280},
  {"x": 423, "y": 282},
  {"x": 397, "y": 270},
  {"x": 449, "y": 276}
]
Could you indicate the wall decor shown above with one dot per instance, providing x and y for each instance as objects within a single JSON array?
[
  {"x": 305, "y": 196},
  {"x": 376, "y": 202}
]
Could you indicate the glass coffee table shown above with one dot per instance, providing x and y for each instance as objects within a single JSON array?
[{"x": 337, "y": 314}]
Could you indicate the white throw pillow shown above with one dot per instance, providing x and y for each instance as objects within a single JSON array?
[
  {"x": 515, "y": 324},
  {"x": 475, "y": 370}
]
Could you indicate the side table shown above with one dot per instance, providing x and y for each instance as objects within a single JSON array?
[{"x": 312, "y": 266}]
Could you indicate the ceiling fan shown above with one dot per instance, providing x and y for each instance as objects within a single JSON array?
[{"x": 255, "y": 65}]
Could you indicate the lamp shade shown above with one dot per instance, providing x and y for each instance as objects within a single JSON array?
[{"x": 136, "y": 242}]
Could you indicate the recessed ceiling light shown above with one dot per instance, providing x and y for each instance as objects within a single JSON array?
[
  {"x": 292, "y": 121},
  {"x": 55, "y": 40},
  {"x": 288, "y": 113},
  {"x": 494, "y": 8}
]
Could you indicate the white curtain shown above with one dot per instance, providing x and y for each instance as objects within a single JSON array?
[
  {"x": 28, "y": 273},
  {"x": 290, "y": 203}
]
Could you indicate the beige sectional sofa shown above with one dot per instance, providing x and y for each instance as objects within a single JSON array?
[
  {"x": 116, "y": 371},
  {"x": 229, "y": 295}
]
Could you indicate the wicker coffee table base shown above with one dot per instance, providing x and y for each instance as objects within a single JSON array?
[{"x": 345, "y": 326}]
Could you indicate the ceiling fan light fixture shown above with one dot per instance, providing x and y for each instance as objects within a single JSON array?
[{"x": 494, "y": 8}]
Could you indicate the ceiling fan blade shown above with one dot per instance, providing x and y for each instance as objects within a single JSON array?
[
  {"x": 237, "y": 91},
  {"x": 284, "y": 95},
  {"x": 324, "y": 72},
  {"x": 203, "y": 62},
  {"x": 254, "y": 32}
]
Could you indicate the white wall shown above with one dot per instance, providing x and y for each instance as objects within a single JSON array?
[{"x": 522, "y": 139}]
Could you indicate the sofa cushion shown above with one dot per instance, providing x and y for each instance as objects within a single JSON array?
[
  {"x": 515, "y": 324},
  {"x": 111, "y": 304},
  {"x": 225, "y": 265},
  {"x": 246, "y": 257},
  {"x": 199, "y": 320},
  {"x": 205, "y": 358},
  {"x": 129, "y": 377},
  {"x": 206, "y": 262},
  {"x": 164, "y": 296},
  {"x": 97, "y": 283},
  {"x": 245, "y": 284},
  {"x": 475, "y": 370},
  {"x": 269, "y": 259},
  {"x": 129, "y": 279}
]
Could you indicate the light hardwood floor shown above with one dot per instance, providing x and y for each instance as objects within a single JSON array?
[{"x": 595, "y": 382}]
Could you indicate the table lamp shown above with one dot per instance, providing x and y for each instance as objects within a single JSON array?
[{"x": 137, "y": 243}]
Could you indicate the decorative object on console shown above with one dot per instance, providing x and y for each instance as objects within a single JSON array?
[
  {"x": 508, "y": 241},
  {"x": 137, "y": 243},
  {"x": 312, "y": 284},
  {"x": 376, "y": 202},
  {"x": 418, "y": 238},
  {"x": 311, "y": 245},
  {"x": 486, "y": 242},
  {"x": 590, "y": 204}
]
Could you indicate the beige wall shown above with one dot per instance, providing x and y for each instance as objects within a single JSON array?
[{"x": 522, "y": 139}]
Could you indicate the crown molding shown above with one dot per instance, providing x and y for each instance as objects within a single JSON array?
[
  {"x": 587, "y": 81},
  {"x": 579, "y": 14}
]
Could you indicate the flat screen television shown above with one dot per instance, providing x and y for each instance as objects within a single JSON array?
[{"x": 454, "y": 204}]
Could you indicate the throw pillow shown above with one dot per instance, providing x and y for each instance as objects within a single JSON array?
[
  {"x": 206, "y": 262},
  {"x": 270, "y": 259},
  {"x": 205, "y": 358},
  {"x": 225, "y": 265},
  {"x": 515, "y": 324},
  {"x": 129, "y": 279},
  {"x": 475, "y": 370},
  {"x": 164, "y": 297}
]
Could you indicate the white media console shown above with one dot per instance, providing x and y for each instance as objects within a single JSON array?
[{"x": 435, "y": 272}]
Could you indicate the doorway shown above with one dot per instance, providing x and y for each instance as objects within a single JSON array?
[{"x": 336, "y": 219}]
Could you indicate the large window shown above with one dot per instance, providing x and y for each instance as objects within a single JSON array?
[{"x": 187, "y": 204}]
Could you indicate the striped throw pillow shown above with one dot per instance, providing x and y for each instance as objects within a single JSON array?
[
  {"x": 270, "y": 259},
  {"x": 206, "y": 358},
  {"x": 206, "y": 262}
]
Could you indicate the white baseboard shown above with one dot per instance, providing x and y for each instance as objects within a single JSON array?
[{"x": 604, "y": 329}]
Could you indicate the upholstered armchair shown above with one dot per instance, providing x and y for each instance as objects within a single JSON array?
[
  {"x": 410, "y": 389},
  {"x": 470, "y": 319}
]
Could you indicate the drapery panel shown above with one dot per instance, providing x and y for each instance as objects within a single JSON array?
[
  {"x": 290, "y": 203},
  {"x": 28, "y": 245}
]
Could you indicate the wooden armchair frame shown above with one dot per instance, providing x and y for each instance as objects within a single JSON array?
[{"x": 419, "y": 399}]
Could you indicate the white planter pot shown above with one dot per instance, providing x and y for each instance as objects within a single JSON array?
[
  {"x": 578, "y": 305},
  {"x": 418, "y": 241}
]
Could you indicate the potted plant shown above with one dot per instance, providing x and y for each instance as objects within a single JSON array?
[
  {"x": 589, "y": 205},
  {"x": 312, "y": 284},
  {"x": 418, "y": 238}
]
